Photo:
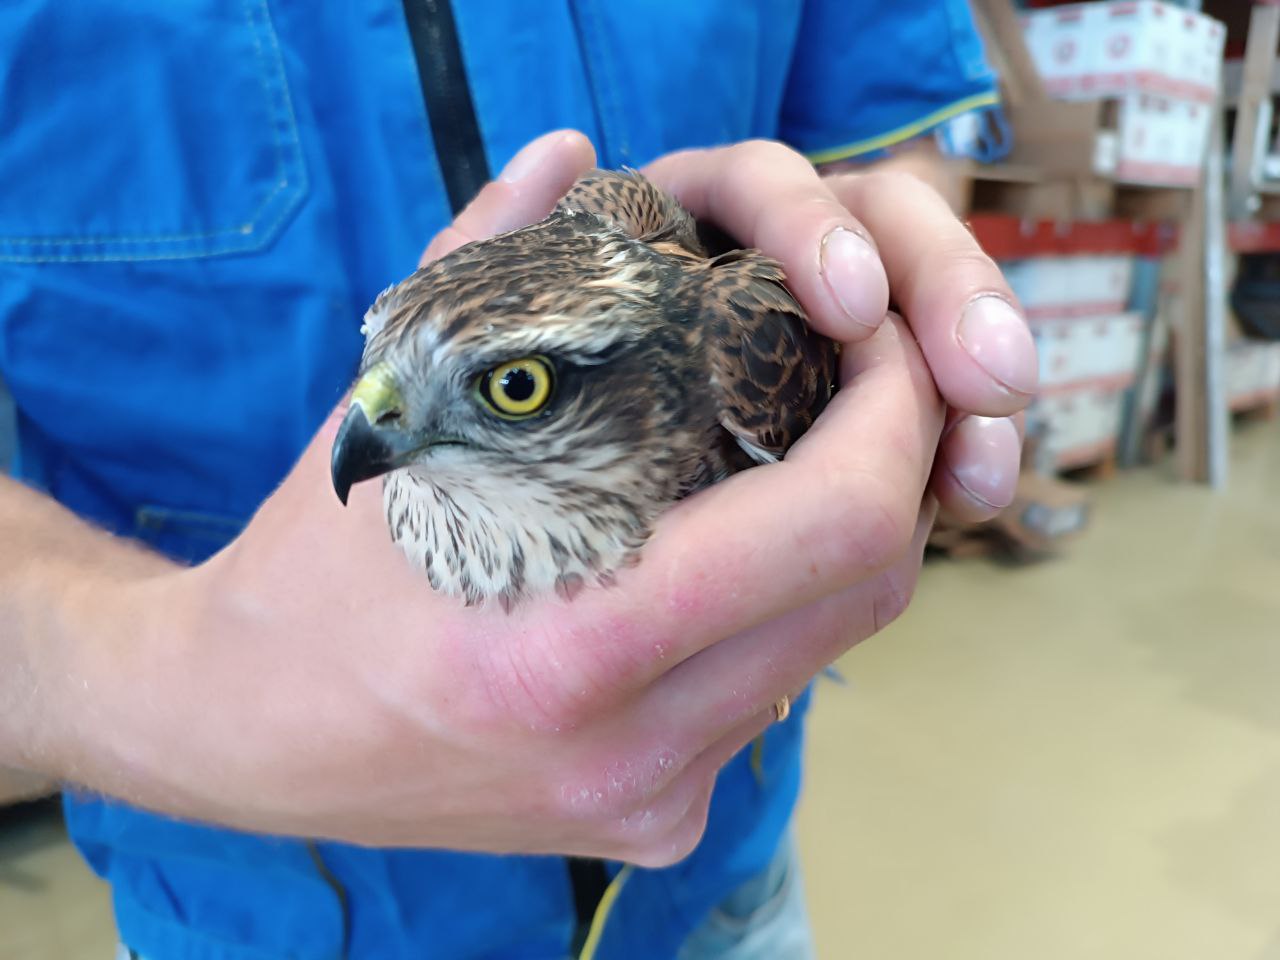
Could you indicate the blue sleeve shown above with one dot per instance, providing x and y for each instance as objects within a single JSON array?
[{"x": 873, "y": 73}]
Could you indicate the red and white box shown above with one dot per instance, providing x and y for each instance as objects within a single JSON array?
[
  {"x": 1252, "y": 373},
  {"x": 1080, "y": 426},
  {"x": 1102, "y": 352},
  {"x": 1089, "y": 51},
  {"x": 1061, "y": 45},
  {"x": 1160, "y": 140},
  {"x": 1070, "y": 286}
]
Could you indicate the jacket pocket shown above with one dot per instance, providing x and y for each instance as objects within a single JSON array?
[
  {"x": 143, "y": 131},
  {"x": 764, "y": 917}
]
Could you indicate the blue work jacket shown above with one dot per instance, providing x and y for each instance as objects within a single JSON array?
[{"x": 201, "y": 197}]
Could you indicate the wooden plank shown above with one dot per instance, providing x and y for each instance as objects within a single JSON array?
[
  {"x": 1004, "y": 172},
  {"x": 1057, "y": 137},
  {"x": 1190, "y": 427},
  {"x": 998, "y": 23},
  {"x": 1153, "y": 204},
  {"x": 1233, "y": 82},
  {"x": 1253, "y": 115},
  {"x": 1140, "y": 406},
  {"x": 1217, "y": 410},
  {"x": 1055, "y": 200},
  {"x": 1202, "y": 417}
]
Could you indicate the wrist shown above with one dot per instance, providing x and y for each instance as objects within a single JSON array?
[{"x": 120, "y": 698}]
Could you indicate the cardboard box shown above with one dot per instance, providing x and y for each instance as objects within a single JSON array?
[
  {"x": 1157, "y": 66},
  {"x": 1061, "y": 47},
  {"x": 1088, "y": 51},
  {"x": 1160, "y": 140},
  {"x": 1079, "y": 426},
  {"x": 1045, "y": 513},
  {"x": 1101, "y": 352},
  {"x": 1252, "y": 373},
  {"x": 1070, "y": 286}
]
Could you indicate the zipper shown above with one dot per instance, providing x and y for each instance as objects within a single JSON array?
[
  {"x": 451, "y": 113},
  {"x": 334, "y": 884},
  {"x": 464, "y": 168}
]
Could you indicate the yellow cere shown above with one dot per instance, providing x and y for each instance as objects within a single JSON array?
[
  {"x": 377, "y": 392},
  {"x": 518, "y": 388}
]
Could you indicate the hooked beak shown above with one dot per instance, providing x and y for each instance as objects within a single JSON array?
[{"x": 371, "y": 440}]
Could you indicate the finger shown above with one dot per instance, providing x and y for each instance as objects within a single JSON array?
[
  {"x": 526, "y": 191},
  {"x": 976, "y": 473},
  {"x": 739, "y": 678},
  {"x": 839, "y": 509},
  {"x": 768, "y": 196},
  {"x": 669, "y": 827},
  {"x": 978, "y": 345}
]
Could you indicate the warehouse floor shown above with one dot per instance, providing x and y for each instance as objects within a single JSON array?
[
  {"x": 1080, "y": 759},
  {"x": 1077, "y": 759}
]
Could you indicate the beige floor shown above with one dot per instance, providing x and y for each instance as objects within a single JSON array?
[
  {"x": 1076, "y": 760},
  {"x": 51, "y": 906}
]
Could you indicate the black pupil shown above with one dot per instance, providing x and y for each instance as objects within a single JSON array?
[{"x": 518, "y": 384}]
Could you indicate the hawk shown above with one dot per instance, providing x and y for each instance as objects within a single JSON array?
[{"x": 536, "y": 400}]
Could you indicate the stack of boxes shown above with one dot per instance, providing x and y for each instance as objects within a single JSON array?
[
  {"x": 1157, "y": 66},
  {"x": 1076, "y": 284},
  {"x": 1089, "y": 348},
  {"x": 1252, "y": 373}
]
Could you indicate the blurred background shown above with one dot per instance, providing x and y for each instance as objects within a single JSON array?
[{"x": 1070, "y": 745}]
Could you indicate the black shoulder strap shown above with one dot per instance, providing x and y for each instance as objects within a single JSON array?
[{"x": 450, "y": 110}]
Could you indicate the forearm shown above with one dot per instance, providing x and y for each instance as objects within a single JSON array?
[{"x": 66, "y": 596}]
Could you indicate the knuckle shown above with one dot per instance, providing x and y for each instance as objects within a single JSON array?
[
  {"x": 890, "y": 183},
  {"x": 563, "y": 676},
  {"x": 610, "y": 655},
  {"x": 620, "y": 795},
  {"x": 763, "y": 150},
  {"x": 960, "y": 264},
  {"x": 969, "y": 260},
  {"x": 525, "y": 688},
  {"x": 892, "y": 596},
  {"x": 751, "y": 163},
  {"x": 870, "y": 525}
]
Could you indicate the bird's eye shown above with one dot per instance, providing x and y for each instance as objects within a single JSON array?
[{"x": 517, "y": 388}]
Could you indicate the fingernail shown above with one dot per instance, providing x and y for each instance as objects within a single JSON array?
[
  {"x": 984, "y": 455},
  {"x": 992, "y": 332},
  {"x": 852, "y": 271},
  {"x": 529, "y": 159}
]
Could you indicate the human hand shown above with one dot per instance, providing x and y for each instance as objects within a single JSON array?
[
  {"x": 852, "y": 242},
  {"x": 307, "y": 681}
]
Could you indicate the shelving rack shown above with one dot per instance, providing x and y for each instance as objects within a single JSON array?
[{"x": 1049, "y": 178}]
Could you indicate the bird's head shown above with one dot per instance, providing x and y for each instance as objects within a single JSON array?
[{"x": 528, "y": 401}]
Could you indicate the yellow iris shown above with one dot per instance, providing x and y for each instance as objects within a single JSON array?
[{"x": 517, "y": 388}]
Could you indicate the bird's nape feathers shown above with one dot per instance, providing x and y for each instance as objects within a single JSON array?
[{"x": 672, "y": 370}]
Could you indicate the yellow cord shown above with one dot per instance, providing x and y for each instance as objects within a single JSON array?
[
  {"x": 602, "y": 914},
  {"x": 905, "y": 132}
]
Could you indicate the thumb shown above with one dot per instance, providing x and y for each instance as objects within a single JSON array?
[{"x": 526, "y": 190}]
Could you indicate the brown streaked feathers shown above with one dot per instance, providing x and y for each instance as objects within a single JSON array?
[{"x": 673, "y": 369}]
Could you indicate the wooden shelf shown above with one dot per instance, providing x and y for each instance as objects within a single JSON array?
[
  {"x": 1254, "y": 236},
  {"x": 1006, "y": 237}
]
